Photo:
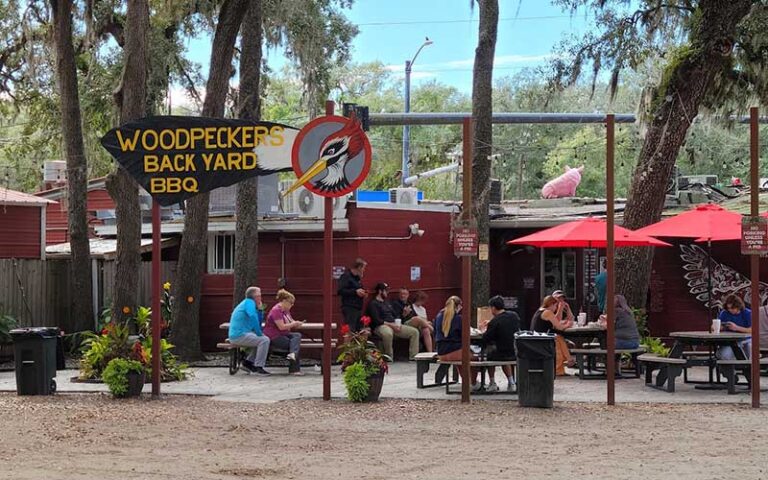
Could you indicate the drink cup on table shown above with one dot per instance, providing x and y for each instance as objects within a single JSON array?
[
  {"x": 716, "y": 325},
  {"x": 582, "y": 319}
]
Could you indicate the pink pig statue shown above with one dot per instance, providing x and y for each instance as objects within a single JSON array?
[{"x": 564, "y": 185}]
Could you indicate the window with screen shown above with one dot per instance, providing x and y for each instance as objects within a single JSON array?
[{"x": 223, "y": 254}]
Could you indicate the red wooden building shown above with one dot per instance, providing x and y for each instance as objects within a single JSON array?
[
  {"x": 57, "y": 229},
  {"x": 290, "y": 252},
  {"x": 22, "y": 224}
]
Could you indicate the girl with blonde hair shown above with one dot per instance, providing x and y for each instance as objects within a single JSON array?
[{"x": 448, "y": 334}]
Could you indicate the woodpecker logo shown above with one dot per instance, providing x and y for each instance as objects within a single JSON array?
[{"x": 331, "y": 156}]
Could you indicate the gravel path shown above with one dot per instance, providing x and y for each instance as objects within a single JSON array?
[{"x": 71, "y": 436}]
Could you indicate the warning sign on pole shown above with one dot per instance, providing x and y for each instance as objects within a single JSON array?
[
  {"x": 465, "y": 242},
  {"x": 754, "y": 236}
]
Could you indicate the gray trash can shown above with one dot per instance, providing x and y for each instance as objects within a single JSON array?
[
  {"x": 535, "y": 369},
  {"x": 34, "y": 351}
]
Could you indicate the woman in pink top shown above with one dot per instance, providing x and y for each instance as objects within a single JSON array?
[{"x": 279, "y": 328}]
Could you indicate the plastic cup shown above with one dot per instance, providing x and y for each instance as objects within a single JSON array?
[
  {"x": 716, "y": 325},
  {"x": 398, "y": 322},
  {"x": 582, "y": 319}
]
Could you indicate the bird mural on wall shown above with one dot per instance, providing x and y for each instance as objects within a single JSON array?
[
  {"x": 725, "y": 279},
  {"x": 336, "y": 151}
]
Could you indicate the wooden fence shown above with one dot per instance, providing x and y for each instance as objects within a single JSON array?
[{"x": 37, "y": 293}]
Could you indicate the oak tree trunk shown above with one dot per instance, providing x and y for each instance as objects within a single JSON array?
[
  {"x": 185, "y": 333},
  {"x": 482, "y": 139},
  {"x": 77, "y": 171},
  {"x": 131, "y": 100},
  {"x": 690, "y": 75},
  {"x": 246, "y": 208}
]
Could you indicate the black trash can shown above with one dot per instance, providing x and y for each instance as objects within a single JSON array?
[
  {"x": 535, "y": 369},
  {"x": 34, "y": 351}
]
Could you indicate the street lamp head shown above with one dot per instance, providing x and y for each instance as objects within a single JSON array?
[{"x": 427, "y": 41}]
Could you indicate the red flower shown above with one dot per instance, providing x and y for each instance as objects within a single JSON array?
[
  {"x": 365, "y": 321},
  {"x": 344, "y": 329},
  {"x": 104, "y": 331}
]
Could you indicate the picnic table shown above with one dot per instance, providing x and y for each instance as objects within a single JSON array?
[
  {"x": 712, "y": 341},
  {"x": 587, "y": 333}
]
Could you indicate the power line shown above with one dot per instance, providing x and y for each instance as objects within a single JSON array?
[{"x": 471, "y": 20}]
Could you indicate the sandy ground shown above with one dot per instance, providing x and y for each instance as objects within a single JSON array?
[{"x": 71, "y": 436}]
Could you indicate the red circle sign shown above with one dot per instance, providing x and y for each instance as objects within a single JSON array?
[{"x": 331, "y": 156}]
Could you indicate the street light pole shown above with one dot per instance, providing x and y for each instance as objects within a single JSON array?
[{"x": 407, "y": 128}]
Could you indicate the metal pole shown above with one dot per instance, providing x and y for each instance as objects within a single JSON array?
[
  {"x": 610, "y": 369},
  {"x": 407, "y": 128},
  {"x": 754, "y": 261},
  {"x": 466, "y": 270},
  {"x": 157, "y": 317},
  {"x": 327, "y": 283}
]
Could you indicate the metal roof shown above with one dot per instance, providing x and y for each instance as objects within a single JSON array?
[
  {"x": 12, "y": 197},
  {"x": 104, "y": 248}
]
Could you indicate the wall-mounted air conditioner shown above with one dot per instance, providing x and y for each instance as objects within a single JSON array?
[{"x": 404, "y": 196}]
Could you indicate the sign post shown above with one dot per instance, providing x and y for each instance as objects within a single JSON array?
[
  {"x": 330, "y": 157},
  {"x": 174, "y": 158}
]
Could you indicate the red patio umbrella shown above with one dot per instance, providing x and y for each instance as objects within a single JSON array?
[
  {"x": 586, "y": 233},
  {"x": 704, "y": 223}
]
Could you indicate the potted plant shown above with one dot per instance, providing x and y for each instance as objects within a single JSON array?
[
  {"x": 362, "y": 364},
  {"x": 125, "y": 378}
]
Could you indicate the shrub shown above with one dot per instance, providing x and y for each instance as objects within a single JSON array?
[
  {"x": 115, "y": 375},
  {"x": 356, "y": 381},
  {"x": 7, "y": 323}
]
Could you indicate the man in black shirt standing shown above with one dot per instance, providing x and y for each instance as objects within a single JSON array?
[
  {"x": 499, "y": 340},
  {"x": 352, "y": 294}
]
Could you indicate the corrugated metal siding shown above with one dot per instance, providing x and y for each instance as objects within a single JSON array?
[{"x": 19, "y": 232}]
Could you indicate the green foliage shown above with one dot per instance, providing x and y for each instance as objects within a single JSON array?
[
  {"x": 114, "y": 342},
  {"x": 99, "y": 350},
  {"x": 356, "y": 381},
  {"x": 7, "y": 323},
  {"x": 116, "y": 374},
  {"x": 655, "y": 345},
  {"x": 652, "y": 344}
]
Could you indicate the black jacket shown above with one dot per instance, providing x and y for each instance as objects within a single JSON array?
[
  {"x": 349, "y": 283},
  {"x": 501, "y": 333},
  {"x": 397, "y": 308},
  {"x": 380, "y": 313}
]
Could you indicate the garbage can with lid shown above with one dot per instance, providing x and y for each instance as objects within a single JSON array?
[
  {"x": 34, "y": 351},
  {"x": 535, "y": 369}
]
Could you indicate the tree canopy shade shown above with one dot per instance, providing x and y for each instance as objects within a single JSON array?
[{"x": 714, "y": 54}]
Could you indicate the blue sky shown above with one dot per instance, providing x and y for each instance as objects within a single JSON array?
[{"x": 392, "y": 30}]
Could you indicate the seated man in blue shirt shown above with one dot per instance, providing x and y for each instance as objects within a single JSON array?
[
  {"x": 245, "y": 331},
  {"x": 735, "y": 317}
]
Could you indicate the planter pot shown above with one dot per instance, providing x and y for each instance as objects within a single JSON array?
[
  {"x": 375, "y": 382},
  {"x": 135, "y": 385}
]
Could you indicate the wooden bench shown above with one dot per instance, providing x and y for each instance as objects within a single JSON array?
[
  {"x": 481, "y": 364},
  {"x": 669, "y": 369},
  {"x": 423, "y": 361},
  {"x": 730, "y": 367},
  {"x": 591, "y": 354},
  {"x": 235, "y": 356}
]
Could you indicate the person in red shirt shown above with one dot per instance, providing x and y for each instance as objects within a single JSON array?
[{"x": 280, "y": 328}]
